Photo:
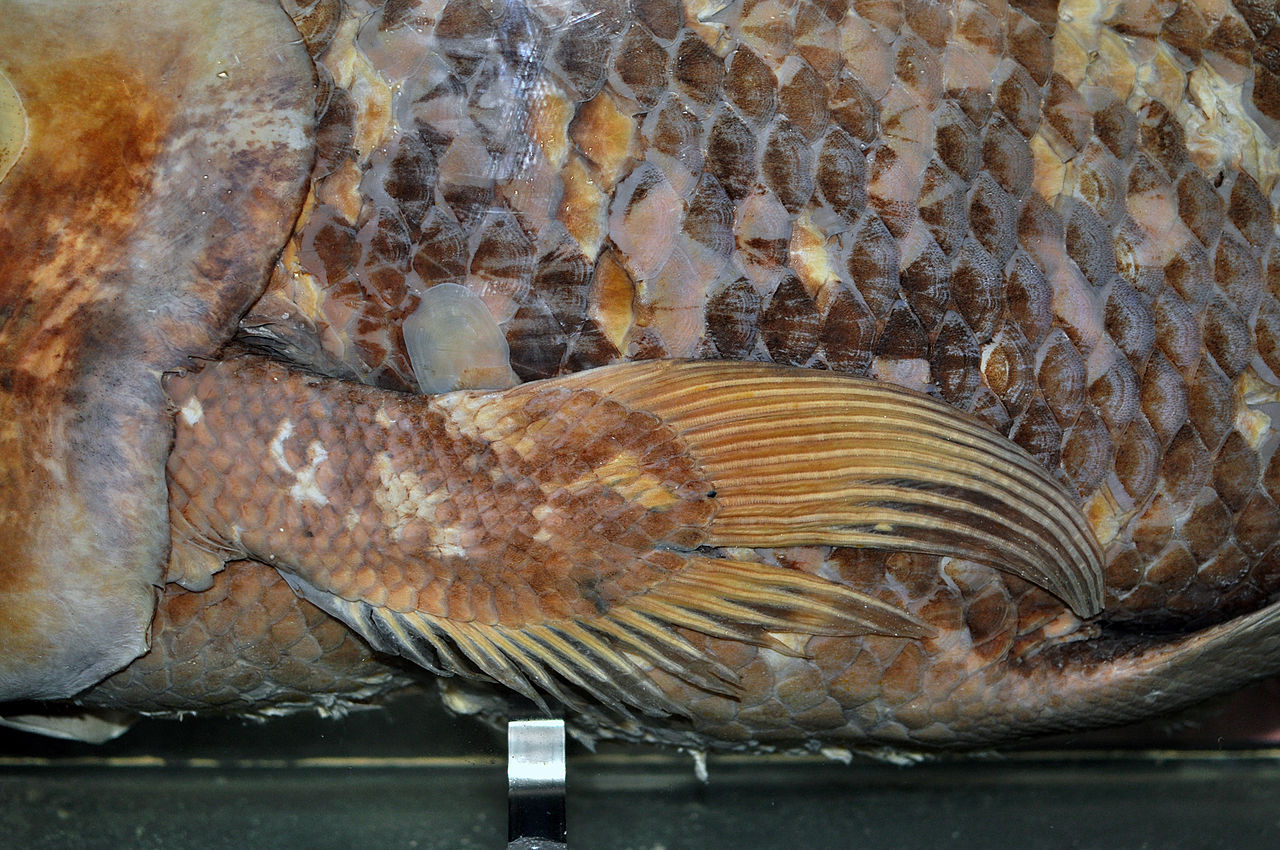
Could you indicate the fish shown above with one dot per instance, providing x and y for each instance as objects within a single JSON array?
[{"x": 729, "y": 375}]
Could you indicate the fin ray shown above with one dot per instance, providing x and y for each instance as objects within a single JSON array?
[{"x": 838, "y": 447}]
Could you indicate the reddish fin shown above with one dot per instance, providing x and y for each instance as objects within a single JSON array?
[
  {"x": 802, "y": 457},
  {"x": 610, "y": 657}
]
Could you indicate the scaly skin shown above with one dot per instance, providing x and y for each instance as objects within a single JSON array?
[
  {"x": 506, "y": 514},
  {"x": 1068, "y": 231}
]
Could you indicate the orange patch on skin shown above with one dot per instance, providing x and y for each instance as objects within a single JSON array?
[
  {"x": 603, "y": 132},
  {"x": 94, "y": 130},
  {"x": 583, "y": 207}
]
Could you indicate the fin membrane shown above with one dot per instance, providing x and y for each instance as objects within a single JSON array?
[
  {"x": 803, "y": 457},
  {"x": 611, "y": 658},
  {"x": 638, "y": 465}
]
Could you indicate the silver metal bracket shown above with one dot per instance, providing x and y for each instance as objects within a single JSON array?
[{"x": 536, "y": 785}]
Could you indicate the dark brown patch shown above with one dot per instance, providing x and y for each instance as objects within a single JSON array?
[
  {"x": 731, "y": 155},
  {"x": 440, "y": 255},
  {"x": 1258, "y": 525},
  {"x": 1130, "y": 323},
  {"x": 1208, "y": 527},
  {"x": 787, "y": 166},
  {"x": 582, "y": 53},
  {"x": 842, "y": 174},
  {"x": 709, "y": 218},
  {"x": 1018, "y": 98},
  {"x": 853, "y": 109},
  {"x": 751, "y": 85},
  {"x": 464, "y": 23},
  {"x": 641, "y": 65},
  {"x": 1116, "y": 126},
  {"x": 1186, "y": 30},
  {"x": 1028, "y": 297},
  {"x": 873, "y": 264},
  {"x": 1137, "y": 460},
  {"x": 804, "y": 101},
  {"x": 1007, "y": 157},
  {"x": 1227, "y": 337},
  {"x": 790, "y": 323},
  {"x": 1249, "y": 210},
  {"x": 1190, "y": 275},
  {"x": 1115, "y": 395},
  {"x": 1211, "y": 404},
  {"x": 1238, "y": 272},
  {"x": 848, "y": 330},
  {"x": 1089, "y": 244},
  {"x": 1066, "y": 113},
  {"x": 1087, "y": 452},
  {"x": 902, "y": 338},
  {"x": 732, "y": 316},
  {"x": 957, "y": 142},
  {"x": 977, "y": 287},
  {"x": 335, "y": 136},
  {"x": 943, "y": 207},
  {"x": 1173, "y": 570},
  {"x": 1236, "y": 470},
  {"x": 1199, "y": 206},
  {"x": 1164, "y": 398},
  {"x": 1187, "y": 466},
  {"x": 1162, "y": 137},
  {"x": 663, "y": 17},
  {"x": 925, "y": 283},
  {"x": 956, "y": 360},
  {"x": 698, "y": 72},
  {"x": 992, "y": 218}
]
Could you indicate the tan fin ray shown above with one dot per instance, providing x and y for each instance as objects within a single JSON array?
[
  {"x": 810, "y": 442},
  {"x": 614, "y": 686},
  {"x": 569, "y": 665},
  {"x": 419, "y": 631},
  {"x": 668, "y": 651},
  {"x": 532, "y": 668},
  {"x": 476, "y": 643},
  {"x": 609, "y": 657},
  {"x": 804, "y": 602}
]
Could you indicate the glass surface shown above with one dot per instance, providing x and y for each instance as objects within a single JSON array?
[{"x": 412, "y": 776}]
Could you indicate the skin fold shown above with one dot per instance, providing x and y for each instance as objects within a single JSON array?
[{"x": 1010, "y": 473}]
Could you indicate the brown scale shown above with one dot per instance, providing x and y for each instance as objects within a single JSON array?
[
  {"x": 250, "y": 643},
  {"x": 1007, "y": 226}
]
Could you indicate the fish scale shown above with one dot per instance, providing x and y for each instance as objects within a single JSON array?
[
  {"x": 1042, "y": 233},
  {"x": 935, "y": 195}
]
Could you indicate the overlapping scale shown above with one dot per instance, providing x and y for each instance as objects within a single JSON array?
[{"x": 1061, "y": 220}]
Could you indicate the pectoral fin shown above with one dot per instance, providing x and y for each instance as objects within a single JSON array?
[
  {"x": 610, "y": 657},
  {"x": 802, "y": 457},
  {"x": 642, "y": 464},
  {"x": 563, "y": 537}
]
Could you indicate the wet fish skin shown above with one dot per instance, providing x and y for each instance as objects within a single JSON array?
[
  {"x": 1011, "y": 224},
  {"x": 1041, "y": 245},
  {"x": 1136, "y": 382},
  {"x": 139, "y": 221}
]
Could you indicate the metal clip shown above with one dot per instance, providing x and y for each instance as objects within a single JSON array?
[{"x": 536, "y": 785}]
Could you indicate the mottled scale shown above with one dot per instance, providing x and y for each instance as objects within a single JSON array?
[{"x": 950, "y": 196}]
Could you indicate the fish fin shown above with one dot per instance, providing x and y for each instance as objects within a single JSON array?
[
  {"x": 611, "y": 657},
  {"x": 1115, "y": 679},
  {"x": 805, "y": 457},
  {"x": 92, "y": 726}
]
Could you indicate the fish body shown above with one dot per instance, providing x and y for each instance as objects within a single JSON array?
[{"x": 1060, "y": 226}]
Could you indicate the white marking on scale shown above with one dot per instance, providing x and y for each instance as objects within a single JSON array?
[
  {"x": 305, "y": 488},
  {"x": 284, "y": 432},
  {"x": 192, "y": 411}
]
